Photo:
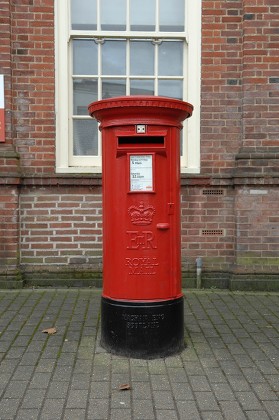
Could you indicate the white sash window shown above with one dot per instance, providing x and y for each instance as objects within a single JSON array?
[{"x": 108, "y": 48}]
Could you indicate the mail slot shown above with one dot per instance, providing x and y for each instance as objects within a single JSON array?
[{"x": 142, "y": 300}]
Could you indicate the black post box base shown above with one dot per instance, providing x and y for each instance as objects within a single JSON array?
[{"x": 142, "y": 330}]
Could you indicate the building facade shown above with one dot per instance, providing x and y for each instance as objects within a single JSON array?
[{"x": 222, "y": 56}]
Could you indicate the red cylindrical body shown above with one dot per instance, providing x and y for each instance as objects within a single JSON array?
[{"x": 141, "y": 200}]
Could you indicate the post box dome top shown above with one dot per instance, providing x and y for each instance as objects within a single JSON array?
[{"x": 144, "y": 109}]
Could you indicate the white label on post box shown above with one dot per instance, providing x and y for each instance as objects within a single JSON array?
[{"x": 141, "y": 173}]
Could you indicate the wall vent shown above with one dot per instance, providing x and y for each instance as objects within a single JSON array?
[
  {"x": 212, "y": 232},
  {"x": 213, "y": 192}
]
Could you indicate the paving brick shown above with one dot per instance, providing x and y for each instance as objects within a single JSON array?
[
  {"x": 52, "y": 409},
  {"x": 188, "y": 410},
  {"x": 8, "y": 407},
  {"x": 182, "y": 391},
  {"x": 33, "y": 398},
  {"x": 98, "y": 409},
  {"x": 74, "y": 414},
  {"x": 28, "y": 414},
  {"x": 143, "y": 409},
  {"x": 232, "y": 410},
  {"x": 123, "y": 414},
  {"x": 160, "y": 382},
  {"x": 163, "y": 400},
  {"x": 230, "y": 376},
  {"x": 212, "y": 415},
  {"x": 257, "y": 415},
  {"x": 199, "y": 383},
  {"x": 100, "y": 389},
  {"x": 166, "y": 415},
  {"x": 77, "y": 399}
]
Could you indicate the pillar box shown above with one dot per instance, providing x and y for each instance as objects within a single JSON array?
[{"x": 142, "y": 301}]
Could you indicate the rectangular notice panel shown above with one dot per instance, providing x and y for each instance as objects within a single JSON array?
[
  {"x": 141, "y": 172},
  {"x": 2, "y": 109}
]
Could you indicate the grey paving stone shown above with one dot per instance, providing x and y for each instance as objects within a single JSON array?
[
  {"x": 100, "y": 389},
  {"x": 257, "y": 415},
  {"x": 253, "y": 375},
  {"x": 120, "y": 414},
  {"x": 229, "y": 369},
  {"x": 272, "y": 408},
  {"x": 248, "y": 400},
  {"x": 8, "y": 408},
  {"x": 77, "y": 399},
  {"x": 212, "y": 415},
  {"x": 199, "y": 383},
  {"x": 182, "y": 392},
  {"x": 141, "y": 391},
  {"x": 33, "y": 398},
  {"x": 223, "y": 392},
  {"x": 45, "y": 366},
  {"x": 81, "y": 381},
  {"x": 264, "y": 392},
  {"x": 139, "y": 373},
  {"x": 166, "y": 415},
  {"x": 193, "y": 368},
  {"x": 232, "y": 410},
  {"x": 215, "y": 375},
  {"x": 160, "y": 382},
  {"x": 163, "y": 400},
  {"x": 40, "y": 380},
  {"x": 118, "y": 379},
  {"x": 143, "y": 409},
  {"x": 28, "y": 414},
  {"x": 16, "y": 389},
  {"x": 52, "y": 409},
  {"x": 98, "y": 409},
  {"x": 238, "y": 383},
  {"x": 74, "y": 414},
  {"x": 58, "y": 390},
  {"x": 206, "y": 401},
  {"x": 188, "y": 410}
]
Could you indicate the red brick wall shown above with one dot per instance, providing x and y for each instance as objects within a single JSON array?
[
  {"x": 260, "y": 77},
  {"x": 60, "y": 225},
  {"x": 229, "y": 211},
  {"x": 221, "y": 85},
  {"x": 33, "y": 79},
  {"x": 257, "y": 213},
  {"x": 208, "y": 227},
  {"x": 9, "y": 227}
]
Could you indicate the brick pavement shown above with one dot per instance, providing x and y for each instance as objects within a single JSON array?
[{"x": 229, "y": 369}]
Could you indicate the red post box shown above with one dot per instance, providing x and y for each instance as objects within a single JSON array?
[{"x": 142, "y": 302}]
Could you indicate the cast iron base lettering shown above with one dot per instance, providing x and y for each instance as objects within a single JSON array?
[{"x": 144, "y": 330}]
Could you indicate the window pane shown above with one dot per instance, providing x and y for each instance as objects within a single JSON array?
[
  {"x": 172, "y": 15},
  {"x": 85, "y": 92},
  {"x": 142, "y": 58},
  {"x": 85, "y": 133},
  {"x": 114, "y": 57},
  {"x": 84, "y": 14},
  {"x": 142, "y": 15},
  {"x": 141, "y": 87},
  {"x": 171, "y": 88},
  {"x": 85, "y": 56},
  {"x": 171, "y": 59},
  {"x": 113, "y": 87},
  {"x": 113, "y": 15}
]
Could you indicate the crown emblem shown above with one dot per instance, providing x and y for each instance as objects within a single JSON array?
[{"x": 141, "y": 215}]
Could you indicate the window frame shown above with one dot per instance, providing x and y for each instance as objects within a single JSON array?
[{"x": 190, "y": 161}]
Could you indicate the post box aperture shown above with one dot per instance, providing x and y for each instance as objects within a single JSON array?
[{"x": 142, "y": 301}]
